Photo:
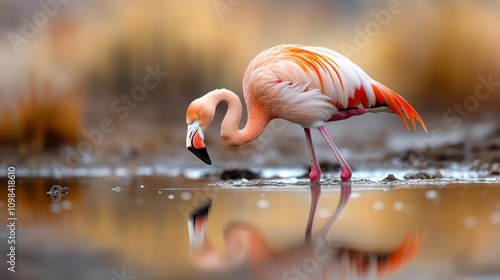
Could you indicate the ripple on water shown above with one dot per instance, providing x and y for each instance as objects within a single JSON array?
[
  {"x": 495, "y": 218},
  {"x": 470, "y": 221},
  {"x": 431, "y": 194},
  {"x": 378, "y": 205},
  {"x": 186, "y": 196},
  {"x": 398, "y": 205}
]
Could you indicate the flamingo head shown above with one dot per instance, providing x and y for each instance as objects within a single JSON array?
[{"x": 198, "y": 119}]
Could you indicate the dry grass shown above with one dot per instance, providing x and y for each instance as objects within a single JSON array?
[{"x": 45, "y": 118}]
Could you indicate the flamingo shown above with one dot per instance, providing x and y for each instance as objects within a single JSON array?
[
  {"x": 305, "y": 85},
  {"x": 247, "y": 247}
]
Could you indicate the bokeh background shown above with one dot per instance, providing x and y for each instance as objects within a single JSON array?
[
  {"x": 64, "y": 65},
  {"x": 67, "y": 67}
]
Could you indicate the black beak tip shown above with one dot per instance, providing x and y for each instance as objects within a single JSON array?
[
  {"x": 201, "y": 154},
  {"x": 201, "y": 211},
  {"x": 207, "y": 160}
]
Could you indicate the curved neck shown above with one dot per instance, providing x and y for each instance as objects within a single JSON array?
[{"x": 256, "y": 121}]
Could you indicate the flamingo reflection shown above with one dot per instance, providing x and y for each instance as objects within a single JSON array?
[
  {"x": 345, "y": 194},
  {"x": 313, "y": 259}
]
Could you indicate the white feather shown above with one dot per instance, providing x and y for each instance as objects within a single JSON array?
[{"x": 277, "y": 78}]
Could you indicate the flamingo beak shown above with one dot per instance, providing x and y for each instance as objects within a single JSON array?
[
  {"x": 195, "y": 143},
  {"x": 197, "y": 225}
]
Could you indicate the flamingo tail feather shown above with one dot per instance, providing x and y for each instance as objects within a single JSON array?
[
  {"x": 411, "y": 245},
  {"x": 398, "y": 105}
]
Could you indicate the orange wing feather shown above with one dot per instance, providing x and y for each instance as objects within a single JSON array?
[
  {"x": 335, "y": 76},
  {"x": 411, "y": 245},
  {"x": 306, "y": 58},
  {"x": 385, "y": 96}
]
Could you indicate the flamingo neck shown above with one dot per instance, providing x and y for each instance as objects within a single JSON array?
[{"x": 256, "y": 121}]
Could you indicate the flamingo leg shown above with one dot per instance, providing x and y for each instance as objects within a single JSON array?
[
  {"x": 314, "y": 178},
  {"x": 315, "y": 174},
  {"x": 315, "y": 195},
  {"x": 345, "y": 194},
  {"x": 346, "y": 172}
]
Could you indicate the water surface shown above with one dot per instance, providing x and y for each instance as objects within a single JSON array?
[{"x": 174, "y": 228}]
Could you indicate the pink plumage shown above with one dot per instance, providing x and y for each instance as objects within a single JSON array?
[
  {"x": 305, "y": 85},
  {"x": 317, "y": 79}
]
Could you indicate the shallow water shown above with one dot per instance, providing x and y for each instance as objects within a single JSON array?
[{"x": 141, "y": 229}]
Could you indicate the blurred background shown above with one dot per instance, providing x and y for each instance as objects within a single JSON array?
[
  {"x": 100, "y": 88},
  {"x": 67, "y": 65}
]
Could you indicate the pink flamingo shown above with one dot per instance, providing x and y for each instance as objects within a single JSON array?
[
  {"x": 246, "y": 247},
  {"x": 306, "y": 85}
]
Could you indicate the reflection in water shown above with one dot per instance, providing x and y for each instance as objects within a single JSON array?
[
  {"x": 313, "y": 259},
  {"x": 345, "y": 194},
  {"x": 251, "y": 233}
]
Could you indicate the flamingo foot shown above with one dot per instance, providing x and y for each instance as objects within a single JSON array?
[
  {"x": 345, "y": 174},
  {"x": 315, "y": 174}
]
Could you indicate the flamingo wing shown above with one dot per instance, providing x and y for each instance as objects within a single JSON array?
[{"x": 300, "y": 81}]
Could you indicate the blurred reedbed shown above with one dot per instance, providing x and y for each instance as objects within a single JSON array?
[{"x": 65, "y": 77}]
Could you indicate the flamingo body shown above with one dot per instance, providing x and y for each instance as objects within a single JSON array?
[
  {"x": 305, "y": 85},
  {"x": 310, "y": 85}
]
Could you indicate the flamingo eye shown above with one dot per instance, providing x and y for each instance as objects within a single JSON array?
[{"x": 195, "y": 119}]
